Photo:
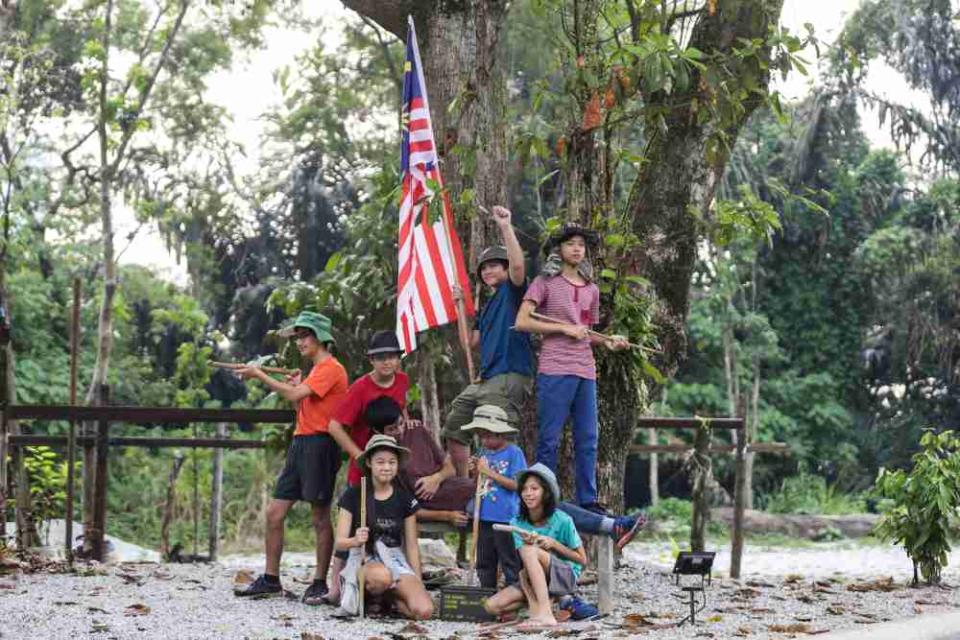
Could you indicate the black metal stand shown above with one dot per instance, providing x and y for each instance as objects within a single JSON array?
[{"x": 693, "y": 590}]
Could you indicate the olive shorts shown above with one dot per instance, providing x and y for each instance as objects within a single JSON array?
[{"x": 508, "y": 391}]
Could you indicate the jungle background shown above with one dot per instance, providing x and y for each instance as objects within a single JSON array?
[{"x": 820, "y": 278}]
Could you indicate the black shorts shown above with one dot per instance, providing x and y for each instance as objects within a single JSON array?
[{"x": 310, "y": 472}]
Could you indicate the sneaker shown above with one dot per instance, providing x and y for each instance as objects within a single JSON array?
[
  {"x": 260, "y": 588},
  {"x": 579, "y": 609},
  {"x": 314, "y": 595},
  {"x": 625, "y": 529},
  {"x": 596, "y": 507}
]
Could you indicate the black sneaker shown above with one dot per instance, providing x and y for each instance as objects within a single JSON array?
[
  {"x": 314, "y": 595},
  {"x": 260, "y": 588}
]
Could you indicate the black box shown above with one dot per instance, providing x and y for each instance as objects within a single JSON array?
[{"x": 465, "y": 604}]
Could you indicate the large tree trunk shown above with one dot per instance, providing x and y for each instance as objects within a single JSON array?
[
  {"x": 105, "y": 323},
  {"x": 459, "y": 50},
  {"x": 677, "y": 183}
]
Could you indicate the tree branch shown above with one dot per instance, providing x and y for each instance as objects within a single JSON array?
[
  {"x": 148, "y": 89},
  {"x": 385, "y": 49}
]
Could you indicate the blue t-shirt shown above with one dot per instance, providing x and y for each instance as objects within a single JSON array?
[
  {"x": 560, "y": 527},
  {"x": 502, "y": 348},
  {"x": 499, "y": 504}
]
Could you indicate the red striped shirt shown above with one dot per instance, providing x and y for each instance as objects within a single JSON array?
[{"x": 557, "y": 297}]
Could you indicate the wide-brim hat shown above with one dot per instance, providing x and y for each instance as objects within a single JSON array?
[
  {"x": 571, "y": 229},
  {"x": 490, "y": 417},
  {"x": 543, "y": 472},
  {"x": 380, "y": 441},
  {"x": 497, "y": 252},
  {"x": 384, "y": 342},
  {"x": 316, "y": 322}
]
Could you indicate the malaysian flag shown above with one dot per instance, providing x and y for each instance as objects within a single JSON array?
[{"x": 430, "y": 255}]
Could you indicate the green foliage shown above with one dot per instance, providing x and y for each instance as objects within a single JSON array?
[
  {"x": 925, "y": 504},
  {"x": 807, "y": 493},
  {"x": 48, "y": 483}
]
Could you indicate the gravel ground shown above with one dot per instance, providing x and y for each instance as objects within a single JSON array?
[{"x": 798, "y": 589}]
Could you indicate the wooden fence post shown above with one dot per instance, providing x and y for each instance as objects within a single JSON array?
[
  {"x": 72, "y": 434},
  {"x": 97, "y": 534},
  {"x": 654, "y": 469},
  {"x": 739, "y": 504},
  {"x": 701, "y": 470},
  {"x": 216, "y": 496}
]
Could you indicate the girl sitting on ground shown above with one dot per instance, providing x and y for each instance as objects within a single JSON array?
[
  {"x": 392, "y": 556},
  {"x": 549, "y": 546}
]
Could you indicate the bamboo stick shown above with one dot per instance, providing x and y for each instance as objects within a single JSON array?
[
  {"x": 233, "y": 366},
  {"x": 363, "y": 549},
  {"x": 597, "y": 334}
]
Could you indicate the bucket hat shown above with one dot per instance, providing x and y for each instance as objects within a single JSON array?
[
  {"x": 497, "y": 252},
  {"x": 316, "y": 322},
  {"x": 543, "y": 472},
  {"x": 490, "y": 417},
  {"x": 380, "y": 441},
  {"x": 571, "y": 229},
  {"x": 383, "y": 342}
]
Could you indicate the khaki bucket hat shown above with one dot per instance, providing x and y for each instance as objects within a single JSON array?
[
  {"x": 490, "y": 417},
  {"x": 378, "y": 442}
]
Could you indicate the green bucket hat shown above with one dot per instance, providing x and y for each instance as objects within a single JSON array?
[
  {"x": 316, "y": 322},
  {"x": 380, "y": 441},
  {"x": 490, "y": 417}
]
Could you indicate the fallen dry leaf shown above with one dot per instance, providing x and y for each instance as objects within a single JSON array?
[
  {"x": 413, "y": 627},
  {"x": 796, "y": 627},
  {"x": 835, "y": 610},
  {"x": 136, "y": 609},
  {"x": 793, "y": 578},
  {"x": 306, "y": 635},
  {"x": 244, "y": 576},
  {"x": 743, "y": 632},
  {"x": 880, "y": 584},
  {"x": 96, "y": 610},
  {"x": 759, "y": 583}
]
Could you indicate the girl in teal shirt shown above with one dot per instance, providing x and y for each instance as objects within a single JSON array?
[{"x": 549, "y": 546}]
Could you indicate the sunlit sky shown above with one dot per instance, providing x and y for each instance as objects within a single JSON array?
[{"x": 248, "y": 91}]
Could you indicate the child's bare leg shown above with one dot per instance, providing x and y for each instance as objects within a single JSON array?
[
  {"x": 377, "y": 578},
  {"x": 510, "y": 598},
  {"x": 535, "y": 563},
  {"x": 413, "y": 601},
  {"x": 333, "y": 593}
]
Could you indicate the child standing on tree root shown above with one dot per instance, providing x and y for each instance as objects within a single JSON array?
[
  {"x": 550, "y": 550},
  {"x": 566, "y": 378}
]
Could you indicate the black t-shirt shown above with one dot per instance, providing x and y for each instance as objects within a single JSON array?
[{"x": 386, "y": 522}]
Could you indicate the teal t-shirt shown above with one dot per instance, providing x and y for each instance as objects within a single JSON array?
[{"x": 560, "y": 527}]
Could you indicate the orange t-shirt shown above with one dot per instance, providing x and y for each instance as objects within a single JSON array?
[{"x": 328, "y": 382}]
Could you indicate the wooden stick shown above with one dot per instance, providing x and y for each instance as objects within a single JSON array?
[
  {"x": 464, "y": 332},
  {"x": 540, "y": 316},
  {"x": 363, "y": 549},
  {"x": 237, "y": 365},
  {"x": 509, "y": 528},
  {"x": 476, "y": 529}
]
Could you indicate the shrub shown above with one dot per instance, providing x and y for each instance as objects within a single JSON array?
[
  {"x": 809, "y": 493},
  {"x": 925, "y": 501}
]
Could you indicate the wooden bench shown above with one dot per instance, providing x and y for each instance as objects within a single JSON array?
[{"x": 606, "y": 575}]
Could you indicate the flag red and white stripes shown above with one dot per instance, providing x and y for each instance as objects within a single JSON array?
[{"x": 430, "y": 256}]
